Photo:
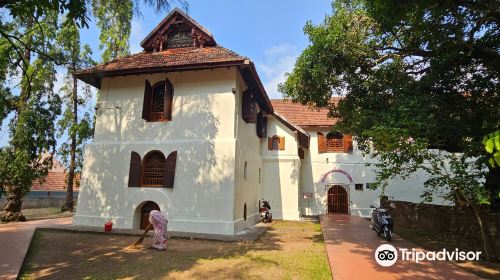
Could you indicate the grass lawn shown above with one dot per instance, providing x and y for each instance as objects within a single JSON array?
[
  {"x": 289, "y": 250},
  {"x": 483, "y": 269},
  {"x": 45, "y": 213}
]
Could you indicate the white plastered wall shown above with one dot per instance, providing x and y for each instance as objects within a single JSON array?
[
  {"x": 281, "y": 172},
  {"x": 246, "y": 190},
  {"x": 202, "y": 131},
  {"x": 315, "y": 166}
]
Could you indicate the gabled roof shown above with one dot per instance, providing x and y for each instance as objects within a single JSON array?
[
  {"x": 302, "y": 115},
  {"x": 175, "y": 17},
  {"x": 197, "y": 50},
  {"x": 303, "y": 136}
]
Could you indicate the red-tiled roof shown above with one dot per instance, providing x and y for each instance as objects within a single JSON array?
[
  {"x": 55, "y": 181},
  {"x": 167, "y": 58},
  {"x": 303, "y": 115}
]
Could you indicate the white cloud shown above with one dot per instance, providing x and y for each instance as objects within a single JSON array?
[{"x": 278, "y": 60}]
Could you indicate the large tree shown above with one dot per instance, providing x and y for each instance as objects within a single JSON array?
[
  {"x": 73, "y": 131},
  {"x": 33, "y": 107},
  {"x": 29, "y": 52},
  {"x": 415, "y": 75}
]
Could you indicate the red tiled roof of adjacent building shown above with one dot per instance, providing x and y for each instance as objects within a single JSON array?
[
  {"x": 55, "y": 181},
  {"x": 303, "y": 115}
]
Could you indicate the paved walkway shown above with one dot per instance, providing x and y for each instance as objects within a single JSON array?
[
  {"x": 15, "y": 239},
  {"x": 351, "y": 244}
]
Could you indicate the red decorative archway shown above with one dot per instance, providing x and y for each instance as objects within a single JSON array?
[{"x": 341, "y": 171}]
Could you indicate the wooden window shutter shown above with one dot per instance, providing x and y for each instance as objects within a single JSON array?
[
  {"x": 146, "y": 105},
  {"x": 270, "y": 143},
  {"x": 321, "y": 143},
  {"x": 134, "y": 173},
  {"x": 169, "y": 100},
  {"x": 261, "y": 125},
  {"x": 347, "y": 143},
  {"x": 168, "y": 179},
  {"x": 282, "y": 143},
  {"x": 248, "y": 107}
]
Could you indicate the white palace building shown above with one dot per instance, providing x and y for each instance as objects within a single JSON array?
[{"x": 186, "y": 126}]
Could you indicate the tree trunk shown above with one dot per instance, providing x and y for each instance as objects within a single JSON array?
[
  {"x": 12, "y": 206},
  {"x": 70, "y": 203},
  {"x": 484, "y": 235}
]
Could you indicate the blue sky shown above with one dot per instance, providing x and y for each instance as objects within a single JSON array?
[{"x": 269, "y": 32}]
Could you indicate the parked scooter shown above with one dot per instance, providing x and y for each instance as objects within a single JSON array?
[
  {"x": 382, "y": 221},
  {"x": 265, "y": 215}
]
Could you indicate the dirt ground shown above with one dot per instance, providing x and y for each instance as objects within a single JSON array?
[
  {"x": 45, "y": 213},
  {"x": 289, "y": 250}
]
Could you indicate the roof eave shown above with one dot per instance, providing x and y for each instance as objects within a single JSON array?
[
  {"x": 94, "y": 78},
  {"x": 250, "y": 67},
  {"x": 302, "y": 134}
]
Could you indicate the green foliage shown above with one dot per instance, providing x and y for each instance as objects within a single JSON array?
[
  {"x": 76, "y": 129},
  {"x": 33, "y": 108},
  {"x": 114, "y": 19},
  {"x": 492, "y": 146},
  {"x": 413, "y": 75}
]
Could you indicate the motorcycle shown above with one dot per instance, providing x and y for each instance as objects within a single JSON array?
[
  {"x": 265, "y": 215},
  {"x": 382, "y": 222}
]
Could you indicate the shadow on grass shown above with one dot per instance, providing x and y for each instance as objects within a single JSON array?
[{"x": 57, "y": 254}]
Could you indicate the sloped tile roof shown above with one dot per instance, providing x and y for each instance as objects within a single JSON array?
[
  {"x": 167, "y": 58},
  {"x": 303, "y": 115},
  {"x": 55, "y": 181}
]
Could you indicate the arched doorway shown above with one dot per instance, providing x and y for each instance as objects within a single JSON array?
[
  {"x": 145, "y": 209},
  {"x": 338, "y": 200}
]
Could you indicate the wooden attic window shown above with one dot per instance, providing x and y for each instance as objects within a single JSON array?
[
  {"x": 261, "y": 125},
  {"x": 334, "y": 142},
  {"x": 248, "y": 107},
  {"x": 158, "y": 99}
]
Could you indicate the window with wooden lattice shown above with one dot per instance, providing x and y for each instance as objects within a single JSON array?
[
  {"x": 158, "y": 101},
  {"x": 276, "y": 143},
  {"x": 334, "y": 142},
  {"x": 153, "y": 169}
]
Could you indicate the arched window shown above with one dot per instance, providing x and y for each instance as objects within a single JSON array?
[
  {"x": 245, "y": 171},
  {"x": 153, "y": 169},
  {"x": 275, "y": 144},
  {"x": 158, "y": 101},
  {"x": 259, "y": 175}
]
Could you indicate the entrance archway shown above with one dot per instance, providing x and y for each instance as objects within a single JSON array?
[
  {"x": 145, "y": 209},
  {"x": 338, "y": 200}
]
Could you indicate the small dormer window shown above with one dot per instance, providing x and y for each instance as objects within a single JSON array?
[{"x": 180, "y": 38}]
